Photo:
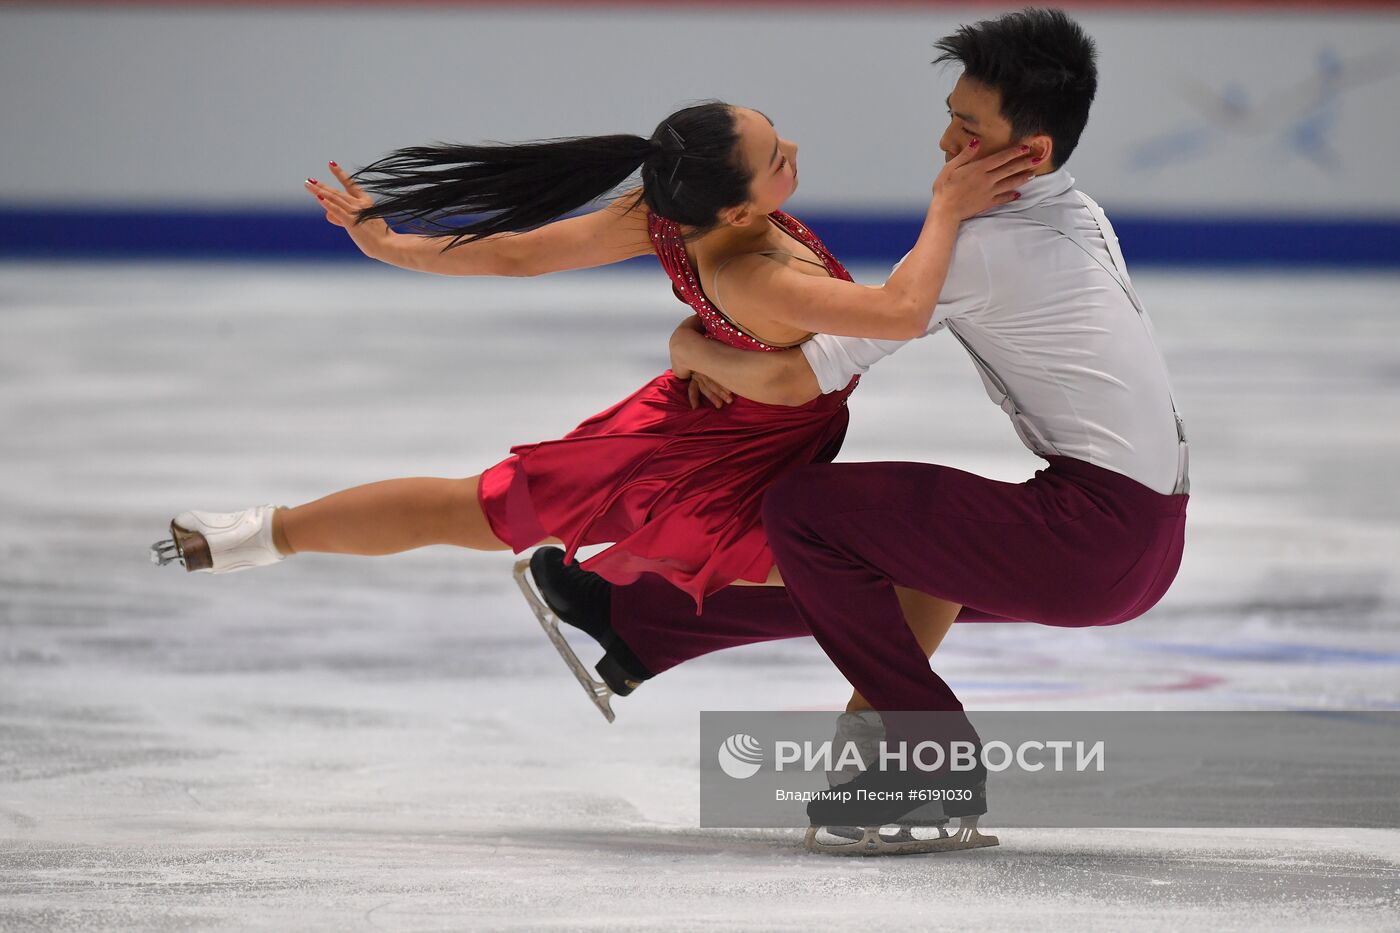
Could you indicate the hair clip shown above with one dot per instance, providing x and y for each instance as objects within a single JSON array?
[{"x": 680, "y": 140}]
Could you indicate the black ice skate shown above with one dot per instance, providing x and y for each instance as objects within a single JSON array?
[
  {"x": 866, "y": 730},
  {"x": 559, "y": 592},
  {"x": 873, "y": 814}
]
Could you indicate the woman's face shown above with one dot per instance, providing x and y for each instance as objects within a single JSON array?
[{"x": 771, "y": 159}]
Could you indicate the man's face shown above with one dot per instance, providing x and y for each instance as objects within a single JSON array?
[{"x": 975, "y": 113}]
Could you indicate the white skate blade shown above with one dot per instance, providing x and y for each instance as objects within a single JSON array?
[
  {"x": 165, "y": 552},
  {"x": 853, "y": 833},
  {"x": 903, "y": 842},
  {"x": 857, "y": 833},
  {"x": 597, "y": 691}
]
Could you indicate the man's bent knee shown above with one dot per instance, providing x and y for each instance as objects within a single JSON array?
[{"x": 795, "y": 495}]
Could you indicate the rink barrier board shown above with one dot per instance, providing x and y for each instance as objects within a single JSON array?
[
  {"x": 129, "y": 234},
  {"x": 1271, "y": 116}
]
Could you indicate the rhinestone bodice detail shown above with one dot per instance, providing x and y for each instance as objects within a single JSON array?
[{"x": 666, "y": 239}]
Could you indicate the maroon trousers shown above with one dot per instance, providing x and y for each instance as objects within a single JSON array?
[{"x": 1076, "y": 545}]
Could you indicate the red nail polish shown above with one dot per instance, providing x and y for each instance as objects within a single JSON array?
[
  {"x": 336, "y": 164},
  {"x": 312, "y": 181},
  {"x": 973, "y": 144},
  {"x": 1015, "y": 195},
  {"x": 319, "y": 198}
]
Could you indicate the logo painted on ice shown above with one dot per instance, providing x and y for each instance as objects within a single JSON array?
[{"x": 740, "y": 756}]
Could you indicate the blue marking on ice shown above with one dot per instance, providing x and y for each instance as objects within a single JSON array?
[{"x": 1274, "y": 652}]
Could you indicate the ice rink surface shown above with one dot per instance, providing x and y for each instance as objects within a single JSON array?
[{"x": 391, "y": 744}]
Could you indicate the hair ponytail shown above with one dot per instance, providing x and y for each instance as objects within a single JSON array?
[
  {"x": 690, "y": 170},
  {"x": 506, "y": 188}
]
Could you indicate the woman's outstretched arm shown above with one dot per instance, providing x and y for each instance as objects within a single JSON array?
[{"x": 611, "y": 234}]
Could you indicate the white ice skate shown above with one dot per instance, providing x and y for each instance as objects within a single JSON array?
[
  {"x": 219, "y": 542},
  {"x": 598, "y": 691}
]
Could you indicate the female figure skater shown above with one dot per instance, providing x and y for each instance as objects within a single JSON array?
[{"x": 673, "y": 486}]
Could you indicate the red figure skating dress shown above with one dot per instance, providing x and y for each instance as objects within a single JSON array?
[{"x": 676, "y": 490}]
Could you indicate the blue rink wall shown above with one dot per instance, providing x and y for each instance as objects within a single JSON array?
[
  {"x": 1247, "y": 134},
  {"x": 289, "y": 235}
]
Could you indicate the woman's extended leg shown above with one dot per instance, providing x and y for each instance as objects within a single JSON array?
[{"x": 388, "y": 517}]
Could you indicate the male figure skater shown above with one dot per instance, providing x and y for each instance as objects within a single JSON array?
[{"x": 1039, "y": 296}]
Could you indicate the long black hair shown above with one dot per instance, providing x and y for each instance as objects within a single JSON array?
[
  {"x": 691, "y": 169},
  {"x": 1042, "y": 62}
]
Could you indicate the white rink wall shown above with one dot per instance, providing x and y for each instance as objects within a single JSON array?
[{"x": 1247, "y": 111}]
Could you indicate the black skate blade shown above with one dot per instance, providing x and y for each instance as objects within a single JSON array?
[{"x": 599, "y": 692}]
